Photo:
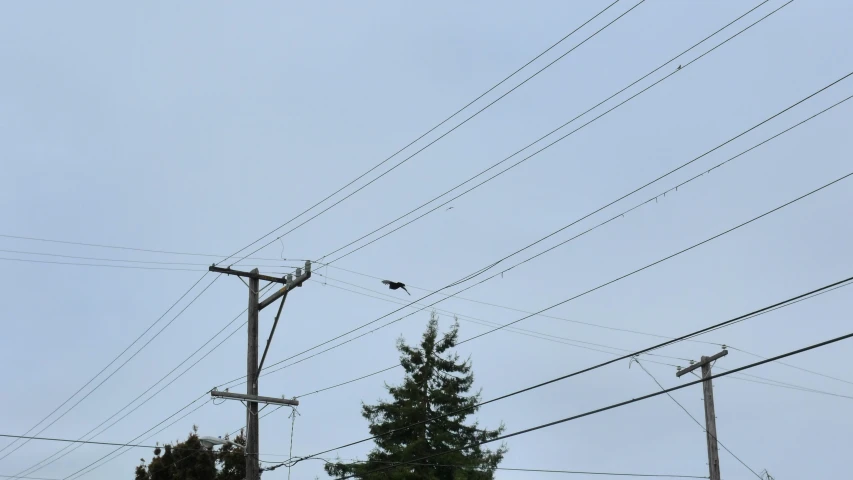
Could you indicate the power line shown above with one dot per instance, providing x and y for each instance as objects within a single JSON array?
[
  {"x": 118, "y": 247},
  {"x": 762, "y": 311},
  {"x": 33, "y": 468},
  {"x": 615, "y": 360},
  {"x": 696, "y": 421},
  {"x": 780, "y": 384},
  {"x": 395, "y": 300},
  {"x": 553, "y": 306},
  {"x": 794, "y": 367},
  {"x": 590, "y": 324},
  {"x": 68, "y": 440},
  {"x": 113, "y": 361},
  {"x": 101, "y": 259},
  {"x": 706, "y": 52},
  {"x": 28, "y": 478},
  {"x": 605, "y": 327},
  {"x": 575, "y": 222},
  {"x": 479, "y": 321},
  {"x": 132, "y": 267},
  {"x": 431, "y": 130},
  {"x": 534, "y": 470},
  {"x": 616, "y": 405},
  {"x": 682, "y": 251},
  {"x": 146, "y": 439},
  {"x": 549, "y": 145},
  {"x": 568, "y": 341},
  {"x": 240, "y": 327}
]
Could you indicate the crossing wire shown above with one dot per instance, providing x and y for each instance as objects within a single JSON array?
[
  {"x": 53, "y": 458},
  {"x": 612, "y": 406},
  {"x": 549, "y": 145},
  {"x": 628, "y": 356},
  {"x": 527, "y": 260},
  {"x": 474, "y": 274},
  {"x": 112, "y": 362},
  {"x": 429, "y": 131}
]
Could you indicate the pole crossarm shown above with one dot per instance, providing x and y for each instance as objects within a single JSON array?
[
  {"x": 696, "y": 365},
  {"x": 254, "y": 398},
  {"x": 239, "y": 273},
  {"x": 290, "y": 283}
]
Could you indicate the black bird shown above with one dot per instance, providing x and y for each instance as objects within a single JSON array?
[
  {"x": 395, "y": 285},
  {"x": 679, "y": 67}
]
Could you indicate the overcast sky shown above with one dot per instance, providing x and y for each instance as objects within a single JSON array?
[{"x": 198, "y": 127}]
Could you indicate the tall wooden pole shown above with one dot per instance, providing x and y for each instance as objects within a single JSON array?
[
  {"x": 253, "y": 467},
  {"x": 252, "y": 438},
  {"x": 710, "y": 420},
  {"x": 710, "y": 417}
]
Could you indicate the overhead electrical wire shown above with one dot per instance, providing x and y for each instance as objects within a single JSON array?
[
  {"x": 29, "y": 478},
  {"x": 777, "y": 383},
  {"x": 431, "y": 130},
  {"x": 612, "y": 406},
  {"x": 233, "y": 255},
  {"x": 716, "y": 439},
  {"x": 761, "y": 380},
  {"x": 398, "y": 301},
  {"x": 569, "y": 342},
  {"x": 680, "y": 251},
  {"x": 549, "y": 145},
  {"x": 415, "y": 287},
  {"x": 532, "y": 470},
  {"x": 628, "y": 356},
  {"x": 529, "y": 259},
  {"x": 146, "y": 250},
  {"x": 239, "y": 328},
  {"x": 113, "y": 361},
  {"x": 249, "y": 257},
  {"x": 794, "y": 366},
  {"x": 756, "y": 22},
  {"x": 574, "y": 222},
  {"x": 579, "y": 322},
  {"x": 67, "y": 440},
  {"x": 101, "y": 462},
  {"x": 101, "y": 259},
  {"x": 130, "y": 267},
  {"x": 522, "y": 331},
  {"x": 788, "y": 302},
  {"x": 53, "y": 458}
]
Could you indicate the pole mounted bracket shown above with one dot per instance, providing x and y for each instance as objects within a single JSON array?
[
  {"x": 696, "y": 365},
  {"x": 254, "y": 398},
  {"x": 290, "y": 283}
]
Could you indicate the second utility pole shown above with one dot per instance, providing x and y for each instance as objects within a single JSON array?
[{"x": 710, "y": 417}]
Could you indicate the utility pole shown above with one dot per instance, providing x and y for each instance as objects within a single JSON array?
[
  {"x": 252, "y": 437},
  {"x": 710, "y": 417},
  {"x": 253, "y": 369}
]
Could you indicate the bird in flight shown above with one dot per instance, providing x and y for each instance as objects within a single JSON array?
[{"x": 395, "y": 285}]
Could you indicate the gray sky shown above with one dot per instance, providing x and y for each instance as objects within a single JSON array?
[{"x": 198, "y": 127}]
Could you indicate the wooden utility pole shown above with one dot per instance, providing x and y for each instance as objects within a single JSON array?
[
  {"x": 710, "y": 417},
  {"x": 253, "y": 470},
  {"x": 252, "y": 437}
]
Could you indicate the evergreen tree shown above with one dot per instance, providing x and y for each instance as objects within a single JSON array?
[
  {"x": 436, "y": 383},
  {"x": 190, "y": 460}
]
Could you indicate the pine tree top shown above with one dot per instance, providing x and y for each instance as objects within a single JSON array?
[{"x": 434, "y": 395}]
